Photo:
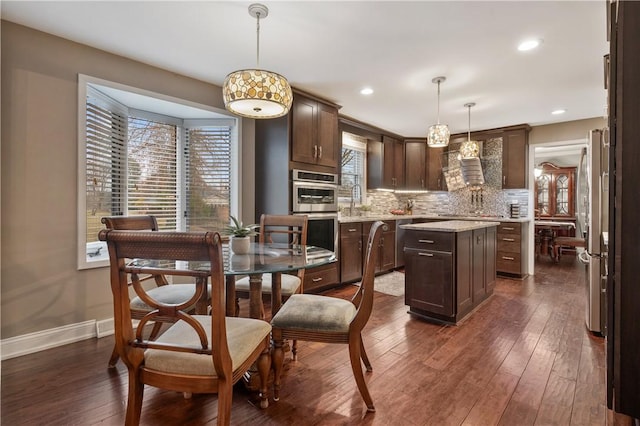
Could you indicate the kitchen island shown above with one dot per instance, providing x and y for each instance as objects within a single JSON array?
[{"x": 450, "y": 268}]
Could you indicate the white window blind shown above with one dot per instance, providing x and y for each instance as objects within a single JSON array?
[
  {"x": 208, "y": 168},
  {"x": 152, "y": 171},
  {"x": 106, "y": 134}
]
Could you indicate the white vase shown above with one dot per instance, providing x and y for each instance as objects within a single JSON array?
[
  {"x": 239, "y": 245},
  {"x": 240, "y": 262}
]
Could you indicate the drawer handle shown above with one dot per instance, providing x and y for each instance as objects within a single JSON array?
[
  {"x": 508, "y": 228},
  {"x": 315, "y": 280},
  {"x": 508, "y": 258},
  {"x": 352, "y": 230},
  {"x": 426, "y": 254},
  {"x": 426, "y": 241},
  {"x": 509, "y": 239}
]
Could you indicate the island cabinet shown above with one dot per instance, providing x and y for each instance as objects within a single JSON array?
[
  {"x": 385, "y": 163},
  {"x": 450, "y": 268},
  {"x": 315, "y": 138}
]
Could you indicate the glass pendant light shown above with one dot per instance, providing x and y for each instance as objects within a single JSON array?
[
  {"x": 469, "y": 149},
  {"x": 257, "y": 93},
  {"x": 438, "y": 135}
]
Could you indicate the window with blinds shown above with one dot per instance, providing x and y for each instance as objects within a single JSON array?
[
  {"x": 354, "y": 156},
  {"x": 138, "y": 162},
  {"x": 208, "y": 157}
]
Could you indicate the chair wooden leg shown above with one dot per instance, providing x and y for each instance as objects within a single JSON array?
[
  {"x": 354, "y": 357},
  {"x": 277, "y": 360},
  {"x": 155, "y": 331},
  {"x": 114, "y": 357},
  {"x": 294, "y": 350},
  {"x": 363, "y": 355},
  {"x": 134, "y": 404},
  {"x": 225, "y": 398},
  {"x": 264, "y": 365}
]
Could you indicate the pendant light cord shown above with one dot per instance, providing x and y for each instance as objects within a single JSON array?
[
  {"x": 438, "y": 101},
  {"x": 469, "y": 129},
  {"x": 258, "y": 40}
]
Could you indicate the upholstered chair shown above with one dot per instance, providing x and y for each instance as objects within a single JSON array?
[
  {"x": 310, "y": 317},
  {"x": 197, "y": 353}
]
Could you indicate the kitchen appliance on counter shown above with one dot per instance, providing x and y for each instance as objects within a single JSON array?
[
  {"x": 593, "y": 222},
  {"x": 316, "y": 195}
]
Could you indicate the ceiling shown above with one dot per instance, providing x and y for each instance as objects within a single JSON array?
[{"x": 334, "y": 49}]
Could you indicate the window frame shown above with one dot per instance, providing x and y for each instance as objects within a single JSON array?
[
  {"x": 84, "y": 82},
  {"x": 359, "y": 144}
]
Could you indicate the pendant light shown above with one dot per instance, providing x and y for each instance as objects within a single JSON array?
[
  {"x": 256, "y": 93},
  {"x": 438, "y": 135},
  {"x": 470, "y": 159},
  {"x": 469, "y": 149}
]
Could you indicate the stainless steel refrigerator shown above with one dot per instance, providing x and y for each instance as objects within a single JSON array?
[{"x": 593, "y": 222}]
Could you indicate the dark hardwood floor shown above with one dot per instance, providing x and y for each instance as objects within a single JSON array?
[{"x": 524, "y": 357}]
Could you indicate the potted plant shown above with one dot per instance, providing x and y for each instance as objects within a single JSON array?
[{"x": 240, "y": 235}]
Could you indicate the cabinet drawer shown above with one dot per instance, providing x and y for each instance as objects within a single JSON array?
[
  {"x": 509, "y": 228},
  {"x": 508, "y": 262},
  {"x": 350, "y": 229},
  {"x": 430, "y": 240},
  {"x": 509, "y": 243},
  {"x": 320, "y": 277}
]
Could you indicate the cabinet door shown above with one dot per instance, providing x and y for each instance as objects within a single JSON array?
[
  {"x": 490, "y": 260},
  {"x": 514, "y": 159},
  {"x": 398, "y": 164},
  {"x": 328, "y": 139},
  {"x": 464, "y": 279},
  {"x": 479, "y": 282},
  {"x": 388, "y": 164},
  {"x": 350, "y": 252},
  {"x": 304, "y": 146},
  {"x": 388, "y": 249},
  {"x": 429, "y": 281},
  {"x": 435, "y": 178},
  {"x": 415, "y": 164}
]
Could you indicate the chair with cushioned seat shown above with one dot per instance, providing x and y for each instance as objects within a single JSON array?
[
  {"x": 170, "y": 294},
  {"x": 197, "y": 353},
  {"x": 318, "y": 318},
  {"x": 280, "y": 229}
]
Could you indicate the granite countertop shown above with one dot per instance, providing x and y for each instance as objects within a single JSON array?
[
  {"x": 450, "y": 226},
  {"x": 373, "y": 217}
]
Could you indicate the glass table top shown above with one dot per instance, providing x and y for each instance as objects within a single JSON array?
[{"x": 262, "y": 258}]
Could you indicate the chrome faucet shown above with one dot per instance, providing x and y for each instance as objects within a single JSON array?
[{"x": 352, "y": 204}]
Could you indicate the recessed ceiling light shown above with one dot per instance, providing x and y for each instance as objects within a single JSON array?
[
  {"x": 366, "y": 91},
  {"x": 529, "y": 44},
  {"x": 558, "y": 111}
]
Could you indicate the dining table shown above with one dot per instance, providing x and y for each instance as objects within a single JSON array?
[
  {"x": 262, "y": 258},
  {"x": 546, "y": 233}
]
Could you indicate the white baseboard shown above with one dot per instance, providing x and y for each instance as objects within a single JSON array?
[
  {"x": 47, "y": 339},
  {"x": 105, "y": 328}
]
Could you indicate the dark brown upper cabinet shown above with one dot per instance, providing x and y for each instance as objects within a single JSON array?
[{"x": 385, "y": 163}]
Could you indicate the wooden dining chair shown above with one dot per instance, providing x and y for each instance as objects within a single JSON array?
[
  {"x": 318, "y": 318},
  {"x": 197, "y": 353},
  {"x": 290, "y": 229},
  {"x": 171, "y": 294}
]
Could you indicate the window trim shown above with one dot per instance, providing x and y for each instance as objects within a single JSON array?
[
  {"x": 352, "y": 141},
  {"x": 84, "y": 81}
]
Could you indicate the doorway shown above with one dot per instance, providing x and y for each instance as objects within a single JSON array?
[{"x": 557, "y": 200}]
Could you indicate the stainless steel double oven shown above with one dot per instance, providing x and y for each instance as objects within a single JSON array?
[{"x": 316, "y": 195}]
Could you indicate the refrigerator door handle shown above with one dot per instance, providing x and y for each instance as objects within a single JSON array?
[{"x": 583, "y": 257}]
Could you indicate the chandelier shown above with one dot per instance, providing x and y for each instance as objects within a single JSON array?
[
  {"x": 256, "y": 93},
  {"x": 438, "y": 135}
]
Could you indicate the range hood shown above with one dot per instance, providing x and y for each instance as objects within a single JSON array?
[{"x": 472, "y": 171}]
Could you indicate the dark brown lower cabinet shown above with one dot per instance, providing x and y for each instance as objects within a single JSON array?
[
  {"x": 386, "y": 252},
  {"x": 351, "y": 252},
  {"x": 448, "y": 274},
  {"x": 321, "y": 278}
]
